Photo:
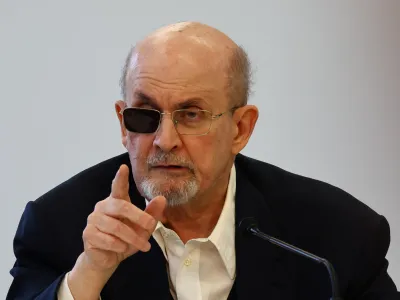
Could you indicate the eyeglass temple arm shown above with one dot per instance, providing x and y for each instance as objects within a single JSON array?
[{"x": 219, "y": 115}]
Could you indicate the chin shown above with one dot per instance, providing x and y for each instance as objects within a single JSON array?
[{"x": 177, "y": 192}]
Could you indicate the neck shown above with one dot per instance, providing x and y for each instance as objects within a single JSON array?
[{"x": 197, "y": 218}]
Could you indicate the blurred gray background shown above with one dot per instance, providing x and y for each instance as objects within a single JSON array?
[{"x": 327, "y": 83}]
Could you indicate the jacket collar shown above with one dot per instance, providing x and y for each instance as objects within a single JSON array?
[{"x": 261, "y": 267}]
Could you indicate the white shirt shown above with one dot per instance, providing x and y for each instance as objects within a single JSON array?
[{"x": 201, "y": 269}]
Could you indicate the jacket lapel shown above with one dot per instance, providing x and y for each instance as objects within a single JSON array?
[{"x": 262, "y": 268}]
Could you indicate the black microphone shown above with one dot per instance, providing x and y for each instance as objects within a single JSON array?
[{"x": 249, "y": 225}]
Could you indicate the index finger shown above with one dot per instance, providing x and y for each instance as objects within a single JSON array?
[
  {"x": 127, "y": 211},
  {"x": 120, "y": 184}
]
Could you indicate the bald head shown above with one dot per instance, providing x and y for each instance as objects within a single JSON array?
[{"x": 196, "y": 45}]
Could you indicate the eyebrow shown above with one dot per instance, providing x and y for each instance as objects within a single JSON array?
[
  {"x": 145, "y": 99},
  {"x": 191, "y": 102}
]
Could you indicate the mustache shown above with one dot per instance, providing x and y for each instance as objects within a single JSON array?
[{"x": 167, "y": 159}]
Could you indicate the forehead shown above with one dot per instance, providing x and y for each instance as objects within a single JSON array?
[{"x": 174, "y": 72}]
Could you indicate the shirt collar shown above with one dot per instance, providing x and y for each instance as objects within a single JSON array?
[{"x": 223, "y": 235}]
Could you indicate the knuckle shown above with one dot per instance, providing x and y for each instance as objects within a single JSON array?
[
  {"x": 87, "y": 232},
  {"x": 99, "y": 205},
  {"x": 114, "y": 244},
  {"x": 124, "y": 207},
  {"x": 91, "y": 218},
  {"x": 84, "y": 234}
]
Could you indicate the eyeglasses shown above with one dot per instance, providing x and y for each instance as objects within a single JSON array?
[{"x": 186, "y": 121}]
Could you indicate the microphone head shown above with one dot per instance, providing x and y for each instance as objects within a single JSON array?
[{"x": 247, "y": 223}]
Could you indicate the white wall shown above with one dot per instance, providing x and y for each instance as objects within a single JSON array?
[{"x": 327, "y": 85}]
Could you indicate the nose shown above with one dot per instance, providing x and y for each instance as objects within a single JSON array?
[{"x": 167, "y": 138}]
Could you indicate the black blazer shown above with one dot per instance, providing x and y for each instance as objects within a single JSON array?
[{"x": 310, "y": 214}]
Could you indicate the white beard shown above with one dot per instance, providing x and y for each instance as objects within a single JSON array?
[{"x": 175, "y": 195}]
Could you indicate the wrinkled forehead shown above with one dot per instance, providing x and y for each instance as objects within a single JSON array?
[{"x": 175, "y": 66}]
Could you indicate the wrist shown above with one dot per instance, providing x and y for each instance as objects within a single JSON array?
[{"x": 86, "y": 282}]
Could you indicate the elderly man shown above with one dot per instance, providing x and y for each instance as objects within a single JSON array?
[{"x": 160, "y": 222}]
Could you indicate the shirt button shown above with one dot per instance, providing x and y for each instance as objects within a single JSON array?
[{"x": 188, "y": 262}]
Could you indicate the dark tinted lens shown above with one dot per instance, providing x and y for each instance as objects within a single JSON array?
[{"x": 141, "y": 120}]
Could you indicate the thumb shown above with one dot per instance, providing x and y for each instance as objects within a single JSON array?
[
  {"x": 120, "y": 184},
  {"x": 156, "y": 208}
]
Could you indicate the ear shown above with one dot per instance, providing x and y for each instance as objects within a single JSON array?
[
  {"x": 119, "y": 106},
  {"x": 245, "y": 119}
]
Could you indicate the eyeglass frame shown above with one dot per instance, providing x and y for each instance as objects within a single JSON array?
[{"x": 212, "y": 117}]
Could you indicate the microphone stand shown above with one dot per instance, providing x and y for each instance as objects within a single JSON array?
[{"x": 253, "y": 229}]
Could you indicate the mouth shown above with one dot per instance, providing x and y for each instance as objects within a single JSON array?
[{"x": 168, "y": 167}]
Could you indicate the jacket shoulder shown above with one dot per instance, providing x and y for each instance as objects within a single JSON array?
[
  {"x": 55, "y": 221},
  {"x": 282, "y": 188},
  {"x": 86, "y": 187},
  {"x": 307, "y": 208}
]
